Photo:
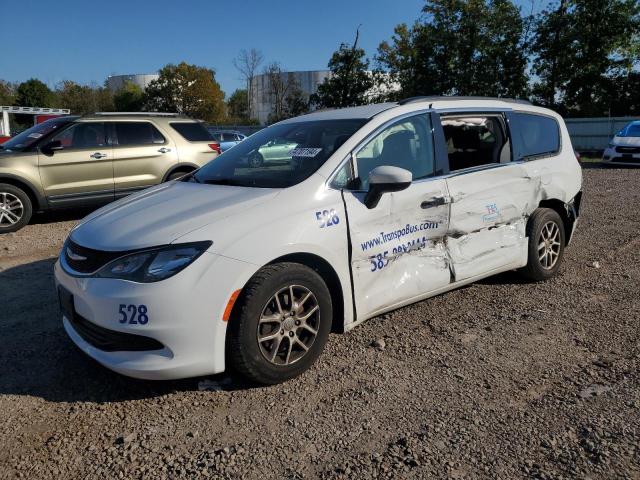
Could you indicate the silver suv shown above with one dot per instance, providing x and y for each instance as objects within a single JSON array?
[{"x": 84, "y": 161}]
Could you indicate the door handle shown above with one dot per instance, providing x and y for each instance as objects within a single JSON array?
[
  {"x": 435, "y": 202},
  {"x": 98, "y": 155},
  {"x": 164, "y": 150}
]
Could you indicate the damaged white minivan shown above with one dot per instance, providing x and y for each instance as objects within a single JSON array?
[{"x": 248, "y": 264}]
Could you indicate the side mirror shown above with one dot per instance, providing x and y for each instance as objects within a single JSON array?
[
  {"x": 51, "y": 147},
  {"x": 386, "y": 179}
]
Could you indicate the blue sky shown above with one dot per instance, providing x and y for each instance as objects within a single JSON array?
[{"x": 85, "y": 41}]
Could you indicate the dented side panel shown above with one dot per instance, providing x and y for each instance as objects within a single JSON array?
[
  {"x": 489, "y": 210},
  {"x": 398, "y": 247}
]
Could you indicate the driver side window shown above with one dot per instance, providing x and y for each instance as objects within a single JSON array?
[
  {"x": 83, "y": 135},
  {"x": 407, "y": 144}
]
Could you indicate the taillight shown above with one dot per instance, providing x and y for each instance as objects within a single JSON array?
[{"x": 215, "y": 146}]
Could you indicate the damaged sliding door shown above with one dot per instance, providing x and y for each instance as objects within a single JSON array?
[{"x": 488, "y": 219}]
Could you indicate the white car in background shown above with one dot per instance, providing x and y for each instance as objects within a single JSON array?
[
  {"x": 375, "y": 207},
  {"x": 624, "y": 148}
]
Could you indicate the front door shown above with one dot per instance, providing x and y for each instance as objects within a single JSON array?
[
  {"x": 398, "y": 253},
  {"x": 82, "y": 171}
]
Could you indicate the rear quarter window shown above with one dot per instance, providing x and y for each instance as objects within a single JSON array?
[
  {"x": 533, "y": 135},
  {"x": 138, "y": 133},
  {"x": 192, "y": 131}
]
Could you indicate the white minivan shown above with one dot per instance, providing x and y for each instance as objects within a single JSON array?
[{"x": 251, "y": 266}]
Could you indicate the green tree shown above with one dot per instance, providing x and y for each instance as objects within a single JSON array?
[
  {"x": 584, "y": 50},
  {"x": 459, "y": 47},
  {"x": 130, "y": 98},
  {"x": 7, "y": 93},
  {"x": 238, "y": 107},
  {"x": 82, "y": 99},
  {"x": 349, "y": 83},
  {"x": 187, "y": 89},
  {"x": 34, "y": 93}
]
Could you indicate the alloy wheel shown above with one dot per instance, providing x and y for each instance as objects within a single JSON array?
[
  {"x": 11, "y": 209},
  {"x": 288, "y": 325},
  {"x": 549, "y": 245}
]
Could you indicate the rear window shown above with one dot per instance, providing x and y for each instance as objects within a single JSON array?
[
  {"x": 138, "y": 133},
  {"x": 192, "y": 131},
  {"x": 533, "y": 135}
]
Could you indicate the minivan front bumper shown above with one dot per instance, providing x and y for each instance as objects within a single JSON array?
[{"x": 184, "y": 335}]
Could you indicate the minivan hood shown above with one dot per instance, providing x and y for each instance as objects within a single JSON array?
[
  {"x": 162, "y": 214},
  {"x": 626, "y": 141}
]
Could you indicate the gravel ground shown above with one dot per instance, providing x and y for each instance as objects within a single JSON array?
[{"x": 502, "y": 379}]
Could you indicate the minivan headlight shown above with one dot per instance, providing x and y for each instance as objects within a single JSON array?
[{"x": 154, "y": 265}]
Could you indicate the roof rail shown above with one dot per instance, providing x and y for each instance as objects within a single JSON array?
[
  {"x": 145, "y": 114},
  {"x": 445, "y": 98}
]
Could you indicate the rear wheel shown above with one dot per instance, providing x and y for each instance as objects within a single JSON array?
[
  {"x": 546, "y": 244},
  {"x": 15, "y": 208},
  {"x": 280, "y": 325},
  {"x": 177, "y": 175}
]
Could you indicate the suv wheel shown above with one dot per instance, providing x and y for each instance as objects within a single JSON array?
[
  {"x": 15, "y": 208},
  {"x": 176, "y": 175},
  {"x": 546, "y": 244},
  {"x": 280, "y": 325}
]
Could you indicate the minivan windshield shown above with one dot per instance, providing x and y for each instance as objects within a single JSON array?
[
  {"x": 31, "y": 136},
  {"x": 278, "y": 156}
]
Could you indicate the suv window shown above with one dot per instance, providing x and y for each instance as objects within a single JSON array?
[
  {"x": 137, "y": 133},
  {"x": 533, "y": 135},
  {"x": 406, "y": 144},
  {"x": 475, "y": 140},
  {"x": 35, "y": 134},
  {"x": 83, "y": 135},
  {"x": 192, "y": 131}
]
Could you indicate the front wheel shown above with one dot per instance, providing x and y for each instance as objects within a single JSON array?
[
  {"x": 545, "y": 230},
  {"x": 15, "y": 208},
  {"x": 280, "y": 324}
]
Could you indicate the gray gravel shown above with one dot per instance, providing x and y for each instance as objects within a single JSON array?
[{"x": 502, "y": 379}]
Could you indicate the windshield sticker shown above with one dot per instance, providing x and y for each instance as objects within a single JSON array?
[
  {"x": 35, "y": 135},
  {"x": 305, "y": 152}
]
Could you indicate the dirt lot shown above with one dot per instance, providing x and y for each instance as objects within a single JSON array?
[{"x": 502, "y": 379}]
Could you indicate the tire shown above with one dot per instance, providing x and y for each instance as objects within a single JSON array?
[
  {"x": 256, "y": 160},
  {"x": 255, "y": 359},
  {"x": 546, "y": 234},
  {"x": 177, "y": 175},
  {"x": 15, "y": 208}
]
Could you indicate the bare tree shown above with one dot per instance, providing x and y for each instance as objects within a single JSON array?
[
  {"x": 247, "y": 63},
  {"x": 285, "y": 95}
]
